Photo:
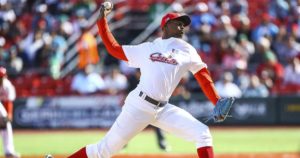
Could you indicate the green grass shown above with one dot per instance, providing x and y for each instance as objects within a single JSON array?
[
  {"x": 226, "y": 140},
  {"x": 255, "y": 141}
]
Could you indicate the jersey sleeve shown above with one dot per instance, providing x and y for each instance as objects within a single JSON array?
[
  {"x": 136, "y": 54},
  {"x": 196, "y": 63}
]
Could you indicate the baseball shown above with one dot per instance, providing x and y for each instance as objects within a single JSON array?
[{"x": 108, "y": 5}]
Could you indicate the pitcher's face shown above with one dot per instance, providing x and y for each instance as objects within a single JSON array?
[{"x": 174, "y": 28}]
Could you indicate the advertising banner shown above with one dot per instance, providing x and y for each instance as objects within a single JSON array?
[
  {"x": 100, "y": 111},
  {"x": 289, "y": 110},
  {"x": 67, "y": 112}
]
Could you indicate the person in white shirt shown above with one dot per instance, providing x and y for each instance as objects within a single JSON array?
[
  {"x": 227, "y": 88},
  {"x": 7, "y": 96},
  {"x": 292, "y": 72},
  {"x": 117, "y": 82},
  {"x": 162, "y": 63},
  {"x": 87, "y": 81}
]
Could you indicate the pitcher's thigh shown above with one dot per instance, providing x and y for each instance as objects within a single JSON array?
[
  {"x": 128, "y": 124},
  {"x": 182, "y": 124}
]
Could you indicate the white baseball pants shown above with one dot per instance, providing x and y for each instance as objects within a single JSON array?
[
  {"x": 7, "y": 134},
  {"x": 137, "y": 114}
]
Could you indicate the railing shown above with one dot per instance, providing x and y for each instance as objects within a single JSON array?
[
  {"x": 155, "y": 24},
  {"x": 71, "y": 58}
]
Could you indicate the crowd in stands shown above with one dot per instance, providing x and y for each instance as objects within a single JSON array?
[
  {"x": 252, "y": 52},
  {"x": 34, "y": 34},
  {"x": 252, "y": 48}
]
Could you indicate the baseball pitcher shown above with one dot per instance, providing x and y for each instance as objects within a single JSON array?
[{"x": 163, "y": 63}]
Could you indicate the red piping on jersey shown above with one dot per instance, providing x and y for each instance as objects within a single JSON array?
[
  {"x": 206, "y": 83},
  {"x": 112, "y": 46}
]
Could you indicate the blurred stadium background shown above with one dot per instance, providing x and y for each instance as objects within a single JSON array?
[{"x": 65, "y": 79}]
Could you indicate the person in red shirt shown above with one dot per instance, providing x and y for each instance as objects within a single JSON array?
[{"x": 270, "y": 71}]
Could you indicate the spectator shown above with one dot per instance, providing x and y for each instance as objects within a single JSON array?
[
  {"x": 266, "y": 79},
  {"x": 44, "y": 53},
  {"x": 279, "y": 9},
  {"x": 87, "y": 5},
  {"x": 223, "y": 37},
  {"x": 226, "y": 87},
  {"x": 291, "y": 49},
  {"x": 7, "y": 23},
  {"x": 242, "y": 24},
  {"x": 3, "y": 53},
  {"x": 201, "y": 26},
  {"x": 238, "y": 7},
  {"x": 43, "y": 18},
  {"x": 117, "y": 82},
  {"x": 246, "y": 47},
  {"x": 65, "y": 7},
  {"x": 7, "y": 96},
  {"x": 87, "y": 48},
  {"x": 219, "y": 7},
  {"x": 31, "y": 46},
  {"x": 87, "y": 81},
  {"x": 265, "y": 29},
  {"x": 279, "y": 43},
  {"x": 202, "y": 18},
  {"x": 241, "y": 76},
  {"x": 294, "y": 23},
  {"x": 231, "y": 56},
  {"x": 262, "y": 47},
  {"x": 225, "y": 30},
  {"x": 272, "y": 69},
  {"x": 60, "y": 45},
  {"x": 291, "y": 78},
  {"x": 15, "y": 62},
  {"x": 256, "y": 88},
  {"x": 66, "y": 29}
]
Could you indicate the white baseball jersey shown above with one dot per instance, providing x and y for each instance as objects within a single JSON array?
[
  {"x": 163, "y": 63},
  {"x": 7, "y": 91}
]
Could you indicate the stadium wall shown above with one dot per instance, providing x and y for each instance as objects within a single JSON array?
[{"x": 100, "y": 111}]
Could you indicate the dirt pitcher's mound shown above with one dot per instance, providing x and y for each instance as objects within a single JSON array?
[{"x": 264, "y": 155}]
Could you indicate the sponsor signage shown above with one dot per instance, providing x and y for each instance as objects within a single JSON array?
[
  {"x": 100, "y": 111},
  {"x": 289, "y": 110},
  {"x": 68, "y": 112}
]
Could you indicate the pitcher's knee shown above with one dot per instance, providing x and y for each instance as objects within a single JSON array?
[{"x": 204, "y": 138}]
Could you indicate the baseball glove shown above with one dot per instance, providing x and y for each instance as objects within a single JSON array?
[{"x": 221, "y": 110}]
